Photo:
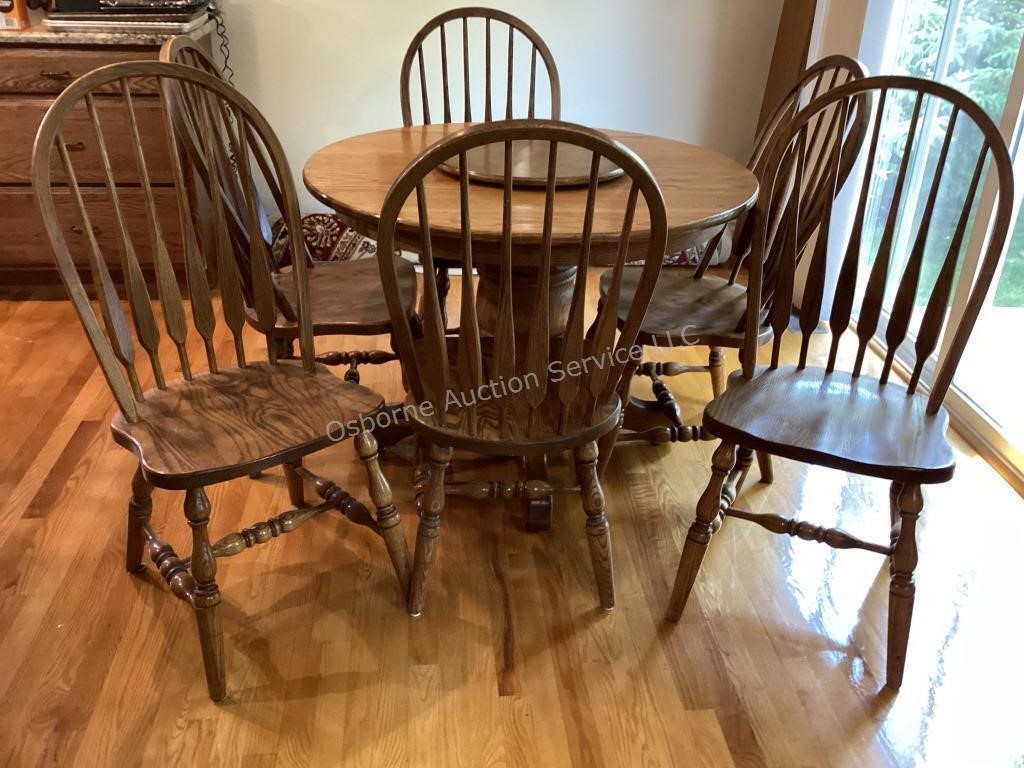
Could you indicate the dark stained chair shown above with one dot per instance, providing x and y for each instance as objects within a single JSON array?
[
  {"x": 416, "y": 71},
  {"x": 250, "y": 409},
  {"x": 692, "y": 307},
  {"x": 852, "y": 420},
  {"x": 544, "y": 414},
  {"x": 346, "y": 295}
]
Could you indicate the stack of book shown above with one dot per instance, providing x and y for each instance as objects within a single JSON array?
[{"x": 170, "y": 17}]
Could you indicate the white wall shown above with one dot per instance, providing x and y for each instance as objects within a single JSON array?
[
  {"x": 694, "y": 70},
  {"x": 838, "y": 27}
]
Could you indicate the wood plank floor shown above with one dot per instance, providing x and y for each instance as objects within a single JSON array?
[{"x": 778, "y": 661}]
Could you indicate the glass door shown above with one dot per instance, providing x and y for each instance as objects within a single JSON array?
[{"x": 974, "y": 46}]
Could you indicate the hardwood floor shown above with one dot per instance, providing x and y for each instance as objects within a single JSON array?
[{"x": 777, "y": 662}]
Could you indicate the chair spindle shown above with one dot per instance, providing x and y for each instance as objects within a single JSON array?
[
  {"x": 470, "y": 355},
  {"x": 444, "y": 75},
  {"x": 906, "y": 292},
  {"x": 503, "y": 364},
  {"x": 874, "y": 295},
  {"x": 846, "y": 285},
  {"x": 200, "y": 298},
  {"x": 538, "y": 345},
  {"x": 166, "y": 281},
  {"x": 146, "y": 330}
]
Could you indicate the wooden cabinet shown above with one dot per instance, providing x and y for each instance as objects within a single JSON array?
[{"x": 35, "y": 66}]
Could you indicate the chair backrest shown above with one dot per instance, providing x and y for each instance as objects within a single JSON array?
[
  {"x": 979, "y": 143},
  {"x": 191, "y": 120},
  {"x": 524, "y": 346},
  {"x": 415, "y": 56},
  {"x": 182, "y": 49},
  {"x": 825, "y": 131},
  {"x": 108, "y": 92}
]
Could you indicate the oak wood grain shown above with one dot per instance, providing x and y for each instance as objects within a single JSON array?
[
  {"x": 840, "y": 415},
  {"x": 20, "y": 118},
  {"x": 701, "y": 188},
  {"x": 50, "y": 70},
  {"x": 347, "y": 297},
  {"x": 457, "y": 384},
  {"x": 778, "y": 660},
  {"x": 835, "y": 420},
  {"x": 32, "y": 74},
  {"x": 459, "y": 32},
  {"x": 686, "y": 310},
  {"x": 772, "y": 284},
  {"x": 29, "y": 246},
  {"x": 198, "y": 429},
  {"x": 234, "y": 422},
  {"x": 530, "y": 166},
  {"x": 712, "y": 319}
]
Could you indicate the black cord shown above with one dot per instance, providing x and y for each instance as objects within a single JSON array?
[{"x": 225, "y": 50}]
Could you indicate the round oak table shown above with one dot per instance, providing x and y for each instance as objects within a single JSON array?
[{"x": 702, "y": 189}]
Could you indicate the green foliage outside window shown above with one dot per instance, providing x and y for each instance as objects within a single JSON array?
[{"x": 982, "y": 58}]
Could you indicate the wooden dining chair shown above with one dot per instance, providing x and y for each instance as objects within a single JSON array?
[
  {"x": 346, "y": 296},
  {"x": 694, "y": 308},
  {"x": 853, "y": 420},
  {"x": 250, "y": 409},
  {"x": 526, "y": 411},
  {"x": 498, "y": 25}
]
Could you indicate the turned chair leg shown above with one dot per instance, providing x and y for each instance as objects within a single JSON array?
[
  {"x": 444, "y": 284},
  {"x": 294, "y": 480},
  {"x": 387, "y": 516},
  {"x": 140, "y": 507},
  {"x": 430, "y": 504},
  {"x": 206, "y": 597},
  {"x": 352, "y": 374},
  {"x": 894, "y": 509},
  {"x": 598, "y": 537},
  {"x": 716, "y": 366},
  {"x": 284, "y": 348},
  {"x": 606, "y": 444},
  {"x": 733, "y": 485},
  {"x": 709, "y": 507},
  {"x": 908, "y": 504},
  {"x": 764, "y": 466}
]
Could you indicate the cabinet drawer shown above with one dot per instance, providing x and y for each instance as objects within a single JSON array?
[
  {"x": 25, "y": 244},
  {"x": 20, "y": 117},
  {"x": 52, "y": 69}
]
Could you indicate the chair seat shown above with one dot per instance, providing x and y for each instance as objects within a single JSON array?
[
  {"x": 835, "y": 420},
  {"x": 516, "y": 440},
  {"x": 347, "y": 297},
  {"x": 232, "y": 423},
  {"x": 683, "y": 311}
]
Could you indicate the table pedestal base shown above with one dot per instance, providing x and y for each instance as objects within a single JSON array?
[
  {"x": 524, "y": 299},
  {"x": 536, "y": 512}
]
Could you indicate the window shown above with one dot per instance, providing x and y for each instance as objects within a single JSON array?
[{"x": 975, "y": 47}]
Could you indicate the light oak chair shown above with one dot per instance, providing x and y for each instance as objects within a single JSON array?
[
  {"x": 694, "y": 308},
  {"x": 540, "y": 416},
  {"x": 507, "y": 27},
  {"x": 852, "y": 420},
  {"x": 346, "y": 296},
  {"x": 244, "y": 413}
]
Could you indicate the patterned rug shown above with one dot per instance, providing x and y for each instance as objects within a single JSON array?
[{"x": 327, "y": 238}]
